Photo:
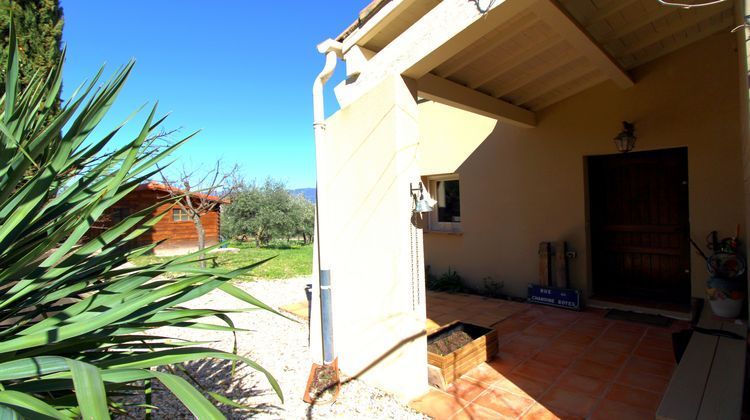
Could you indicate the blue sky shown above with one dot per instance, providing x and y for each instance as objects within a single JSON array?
[{"x": 240, "y": 71}]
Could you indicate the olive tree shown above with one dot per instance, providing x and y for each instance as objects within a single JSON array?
[{"x": 265, "y": 212}]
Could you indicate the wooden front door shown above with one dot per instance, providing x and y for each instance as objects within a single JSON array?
[{"x": 638, "y": 210}]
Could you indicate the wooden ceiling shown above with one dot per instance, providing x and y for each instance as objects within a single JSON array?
[
  {"x": 555, "y": 49},
  {"x": 525, "y": 63},
  {"x": 638, "y": 31}
]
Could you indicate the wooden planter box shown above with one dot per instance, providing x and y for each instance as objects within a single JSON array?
[{"x": 443, "y": 370}]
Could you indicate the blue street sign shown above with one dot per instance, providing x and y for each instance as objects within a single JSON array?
[{"x": 553, "y": 296}]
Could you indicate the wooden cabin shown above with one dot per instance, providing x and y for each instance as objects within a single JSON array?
[{"x": 176, "y": 227}]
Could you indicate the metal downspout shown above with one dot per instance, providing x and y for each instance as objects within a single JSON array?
[{"x": 332, "y": 50}]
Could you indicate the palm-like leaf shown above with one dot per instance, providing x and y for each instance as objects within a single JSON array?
[{"x": 71, "y": 318}]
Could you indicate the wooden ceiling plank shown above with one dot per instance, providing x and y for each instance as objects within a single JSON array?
[
  {"x": 559, "y": 82},
  {"x": 450, "y": 26},
  {"x": 724, "y": 22},
  {"x": 613, "y": 7},
  {"x": 689, "y": 18},
  {"x": 535, "y": 73},
  {"x": 469, "y": 55},
  {"x": 580, "y": 9},
  {"x": 446, "y": 92},
  {"x": 513, "y": 61},
  {"x": 431, "y": 41},
  {"x": 569, "y": 29},
  {"x": 553, "y": 99},
  {"x": 636, "y": 25}
]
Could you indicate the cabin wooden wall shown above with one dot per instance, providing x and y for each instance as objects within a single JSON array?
[{"x": 180, "y": 234}]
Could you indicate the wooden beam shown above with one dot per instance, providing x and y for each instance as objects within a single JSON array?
[
  {"x": 688, "y": 19},
  {"x": 454, "y": 27},
  {"x": 722, "y": 398},
  {"x": 561, "y": 265},
  {"x": 513, "y": 61},
  {"x": 450, "y": 93},
  {"x": 469, "y": 55},
  {"x": 545, "y": 262},
  {"x": 376, "y": 23},
  {"x": 723, "y": 395},
  {"x": 709, "y": 29},
  {"x": 708, "y": 382},
  {"x": 440, "y": 34},
  {"x": 569, "y": 29}
]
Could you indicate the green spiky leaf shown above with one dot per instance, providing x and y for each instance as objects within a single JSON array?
[{"x": 73, "y": 321}]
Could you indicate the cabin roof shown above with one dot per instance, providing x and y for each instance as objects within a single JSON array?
[{"x": 157, "y": 186}]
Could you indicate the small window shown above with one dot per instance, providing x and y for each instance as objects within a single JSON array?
[
  {"x": 446, "y": 215},
  {"x": 180, "y": 215},
  {"x": 118, "y": 214}
]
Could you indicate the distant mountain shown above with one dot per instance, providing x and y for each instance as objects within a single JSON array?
[{"x": 308, "y": 193}]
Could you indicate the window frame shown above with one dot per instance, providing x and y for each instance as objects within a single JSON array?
[
  {"x": 181, "y": 212},
  {"x": 433, "y": 224}
]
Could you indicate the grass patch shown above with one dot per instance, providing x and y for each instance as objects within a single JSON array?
[{"x": 292, "y": 260}]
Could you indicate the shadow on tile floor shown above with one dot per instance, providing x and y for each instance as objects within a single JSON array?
[{"x": 554, "y": 363}]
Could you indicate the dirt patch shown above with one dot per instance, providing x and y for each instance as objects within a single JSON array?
[{"x": 449, "y": 343}]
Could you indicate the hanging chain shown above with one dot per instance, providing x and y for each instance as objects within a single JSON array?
[
  {"x": 418, "y": 267},
  {"x": 416, "y": 290},
  {"x": 412, "y": 261}
]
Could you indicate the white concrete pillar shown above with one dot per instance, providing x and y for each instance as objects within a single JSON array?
[{"x": 375, "y": 255}]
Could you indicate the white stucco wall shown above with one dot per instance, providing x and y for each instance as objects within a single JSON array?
[{"x": 523, "y": 186}]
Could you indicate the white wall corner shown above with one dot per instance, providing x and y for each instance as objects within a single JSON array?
[
  {"x": 345, "y": 93},
  {"x": 356, "y": 60}
]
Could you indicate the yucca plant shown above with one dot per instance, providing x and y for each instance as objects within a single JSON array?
[{"x": 72, "y": 318}]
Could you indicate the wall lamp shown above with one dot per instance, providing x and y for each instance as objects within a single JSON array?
[{"x": 625, "y": 141}]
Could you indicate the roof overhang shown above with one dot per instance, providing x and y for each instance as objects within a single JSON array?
[{"x": 515, "y": 57}]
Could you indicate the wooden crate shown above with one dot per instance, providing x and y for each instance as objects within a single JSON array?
[{"x": 443, "y": 370}]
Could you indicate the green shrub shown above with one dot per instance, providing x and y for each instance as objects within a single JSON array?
[
  {"x": 493, "y": 288},
  {"x": 72, "y": 318},
  {"x": 449, "y": 281},
  {"x": 452, "y": 282}
]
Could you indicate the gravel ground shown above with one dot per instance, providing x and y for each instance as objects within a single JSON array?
[{"x": 280, "y": 346}]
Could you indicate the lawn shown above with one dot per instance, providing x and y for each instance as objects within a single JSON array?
[{"x": 291, "y": 260}]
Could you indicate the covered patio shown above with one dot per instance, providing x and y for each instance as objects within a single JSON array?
[
  {"x": 554, "y": 363},
  {"x": 517, "y": 101}
]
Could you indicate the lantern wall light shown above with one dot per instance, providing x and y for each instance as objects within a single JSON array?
[{"x": 625, "y": 141}]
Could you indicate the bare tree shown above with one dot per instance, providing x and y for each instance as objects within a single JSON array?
[{"x": 201, "y": 192}]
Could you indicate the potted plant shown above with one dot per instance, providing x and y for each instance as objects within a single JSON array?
[{"x": 725, "y": 287}]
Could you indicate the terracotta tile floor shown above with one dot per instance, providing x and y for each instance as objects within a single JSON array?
[{"x": 553, "y": 363}]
